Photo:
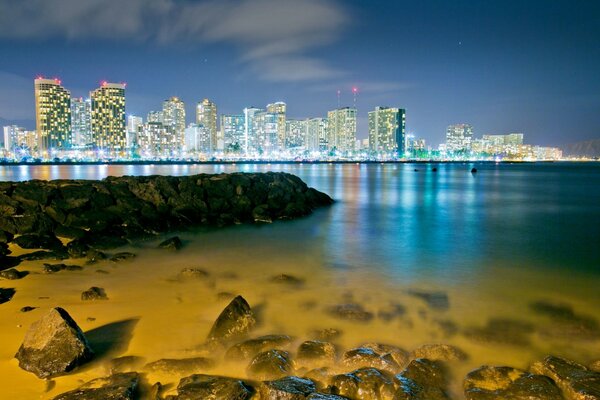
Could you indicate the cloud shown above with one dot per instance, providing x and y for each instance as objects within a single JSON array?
[{"x": 271, "y": 35}]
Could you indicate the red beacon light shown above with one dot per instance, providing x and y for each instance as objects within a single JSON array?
[{"x": 103, "y": 83}]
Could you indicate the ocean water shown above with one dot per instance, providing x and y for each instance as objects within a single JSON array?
[{"x": 494, "y": 244}]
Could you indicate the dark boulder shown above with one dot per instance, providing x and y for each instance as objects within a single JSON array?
[
  {"x": 125, "y": 364},
  {"x": 261, "y": 213},
  {"x": 288, "y": 388},
  {"x": 27, "y": 309},
  {"x": 53, "y": 345},
  {"x": 576, "y": 381},
  {"x": 364, "y": 383},
  {"x": 5, "y": 237},
  {"x": 565, "y": 323},
  {"x": 271, "y": 364},
  {"x": 422, "y": 379},
  {"x": 205, "y": 387},
  {"x": 123, "y": 386},
  {"x": 12, "y": 274},
  {"x": 315, "y": 353},
  {"x": 502, "y": 331},
  {"x": 488, "y": 383},
  {"x": 44, "y": 255},
  {"x": 235, "y": 321},
  {"x": 6, "y": 295},
  {"x": 326, "y": 334},
  {"x": 440, "y": 352},
  {"x": 7, "y": 262},
  {"x": 122, "y": 256},
  {"x": 367, "y": 358},
  {"x": 180, "y": 366},
  {"x": 94, "y": 293},
  {"x": 248, "y": 349},
  {"x": 31, "y": 241},
  {"x": 93, "y": 256},
  {"x": 435, "y": 300},
  {"x": 173, "y": 243},
  {"x": 387, "y": 351},
  {"x": 352, "y": 312},
  {"x": 53, "y": 268},
  {"x": 77, "y": 248}
]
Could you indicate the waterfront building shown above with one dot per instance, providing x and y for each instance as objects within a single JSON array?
[
  {"x": 458, "y": 138},
  {"x": 133, "y": 124},
  {"x": 317, "y": 135},
  {"x": 174, "y": 118},
  {"x": 157, "y": 140},
  {"x": 155, "y": 116},
  {"x": 342, "y": 129},
  {"x": 52, "y": 114},
  {"x": 81, "y": 122},
  {"x": 267, "y": 132},
  {"x": 250, "y": 130},
  {"x": 296, "y": 134},
  {"x": 232, "y": 132},
  {"x": 19, "y": 141},
  {"x": 279, "y": 109},
  {"x": 206, "y": 115},
  {"x": 387, "y": 127},
  {"x": 198, "y": 139},
  {"x": 108, "y": 117}
]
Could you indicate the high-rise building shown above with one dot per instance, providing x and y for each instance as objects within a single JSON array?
[
  {"x": 155, "y": 116},
  {"x": 459, "y": 137},
  {"x": 342, "y": 129},
  {"x": 267, "y": 132},
  {"x": 251, "y": 142},
  {"x": 108, "y": 117},
  {"x": 499, "y": 144},
  {"x": 198, "y": 139},
  {"x": 387, "y": 130},
  {"x": 316, "y": 136},
  {"x": 17, "y": 138},
  {"x": 296, "y": 134},
  {"x": 53, "y": 114},
  {"x": 174, "y": 118},
  {"x": 232, "y": 132},
  {"x": 133, "y": 123},
  {"x": 206, "y": 115},
  {"x": 156, "y": 140},
  {"x": 81, "y": 121},
  {"x": 279, "y": 109}
]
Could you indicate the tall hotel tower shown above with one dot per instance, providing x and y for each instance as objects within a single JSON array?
[
  {"x": 387, "y": 130},
  {"x": 108, "y": 117},
  {"x": 342, "y": 128},
  {"x": 52, "y": 114},
  {"x": 206, "y": 114}
]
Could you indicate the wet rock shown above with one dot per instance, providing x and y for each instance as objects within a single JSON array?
[
  {"x": 69, "y": 232},
  {"x": 287, "y": 279},
  {"x": 595, "y": 366},
  {"x": 400, "y": 356},
  {"x": 261, "y": 214},
  {"x": 323, "y": 396},
  {"x": 435, "y": 300},
  {"x": 180, "y": 366},
  {"x": 125, "y": 364},
  {"x": 9, "y": 262},
  {"x": 422, "y": 379},
  {"x": 4, "y": 250},
  {"x": 173, "y": 243},
  {"x": 53, "y": 345},
  {"x": 27, "y": 309},
  {"x": 447, "y": 327},
  {"x": 440, "y": 352},
  {"x": 351, "y": 312},
  {"x": 391, "y": 312},
  {"x": 565, "y": 323},
  {"x": 32, "y": 241},
  {"x": 326, "y": 334},
  {"x": 192, "y": 273},
  {"x": 364, "y": 358},
  {"x": 288, "y": 388},
  {"x": 235, "y": 321},
  {"x": 320, "y": 376},
  {"x": 487, "y": 383},
  {"x": 93, "y": 256},
  {"x": 44, "y": 255},
  {"x": 94, "y": 293},
  {"x": 502, "y": 331},
  {"x": 576, "y": 381},
  {"x": 12, "y": 274},
  {"x": 271, "y": 364},
  {"x": 53, "y": 268},
  {"x": 316, "y": 353},
  {"x": 122, "y": 386},
  {"x": 248, "y": 349},
  {"x": 364, "y": 384},
  {"x": 155, "y": 392},
  {"x": 122, "y": 256},
  {"x": 6, "y": 237},
  {"x": 206, "y": 387},
  {"x": 6, "y": 294},
  {"x": 77, "y": 249}
]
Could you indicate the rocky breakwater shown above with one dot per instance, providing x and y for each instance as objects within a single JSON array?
[{"x": 111, "y": 212}]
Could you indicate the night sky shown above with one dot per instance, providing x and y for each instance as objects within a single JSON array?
[{"x": 503, "y": 66}]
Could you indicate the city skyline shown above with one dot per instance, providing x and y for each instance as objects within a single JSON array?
[{"x": 443, "y": 63}]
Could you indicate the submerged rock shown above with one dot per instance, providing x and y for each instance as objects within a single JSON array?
[
  {"x": 27, "y": 309},
  {"x": 53, "y": 268},
  {"x": 316, "y": 353},
  {"x": 122, "y": 386},
  {"x": 575, "y": 380},
  {"x": 192, "y": 273},
  {"x": 565, "y": 322},
  {"x": 207, "y": 387},
  {"x": 180, "y": 366},
  {"x": 364, "y": 383},
  {"x": 235, "y": 321},
  {"x": 271, "y": 364},
  {"x": 173, "y": 243},
  {"x": 422, "y": 379},
  {"x": 248, "y": 349},
  {"x": 32, "y": 241},
  {"x": 487, "y": 383},
  {"x": 287, "y": 279},
  {"x": 440, "y": 352},
  {"x": 288, "y": 388},
  {"x": 125, "y": 364},
  {"x": 400, "y": 356},
  {"x": 6, "y": 294},
  {"x": 351, "y": 311},
  {"x": 326, "y": 334},
  {"x": 122, "y": 256},
  {"x": 502, "y": 331},
  {"x": 368, "y": 358},
  {"x": 53, "y": 345},
  {"x": 435, "y": 300},
  {"x": 12, "y": 274},
  {"x": 44, "y": 255},
  {"x": 94, "y": 293}
]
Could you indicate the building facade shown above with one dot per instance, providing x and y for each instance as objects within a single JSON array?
[
  {"x": 206, "y": 115},
  {"x": 279, "y": 109},
  {"x": 198, "y": 139},
  {"x": 459, "y": 138},
  {"x": 174, "y": 118},
  {"x": 387, "y": 130},
  {"x": 316, "y": 135},
  {"x": 342, "y": 129},
  {"x": 81, "y": 122},
  {"x": 108, "y": 117},
  {"x": 52, "y": 114},
  {"x": 232, "y": 132},
  {"x": 296, "y": 134}
]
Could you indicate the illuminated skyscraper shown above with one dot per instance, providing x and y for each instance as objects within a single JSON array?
[
  {"x": 250, "y": 130},
  {"x": 232, "y": 132},
  {"x": 108, "y": 117},
  {"x": 155, "y": 116},
  {"x": 53, "y": 114},
  {"x": 387, "y": 130},
  {"x": 458, "y": 138},
  {"x": 342, "y": 129},
  {"x": 198, "y": 139},
  {"x": 316, "y": 137},
  {"x": 155, "y": 140},
  {"x": 81, "y": 121},
  {"x": 267, "y": 132},
  {"x": 174, "y": 118},
  {"x": 133, "y": 124},
  {"x": 296, "y": 134},
  {"x": 279, "y": 109},
  {"x": 206, "y": 115}
]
